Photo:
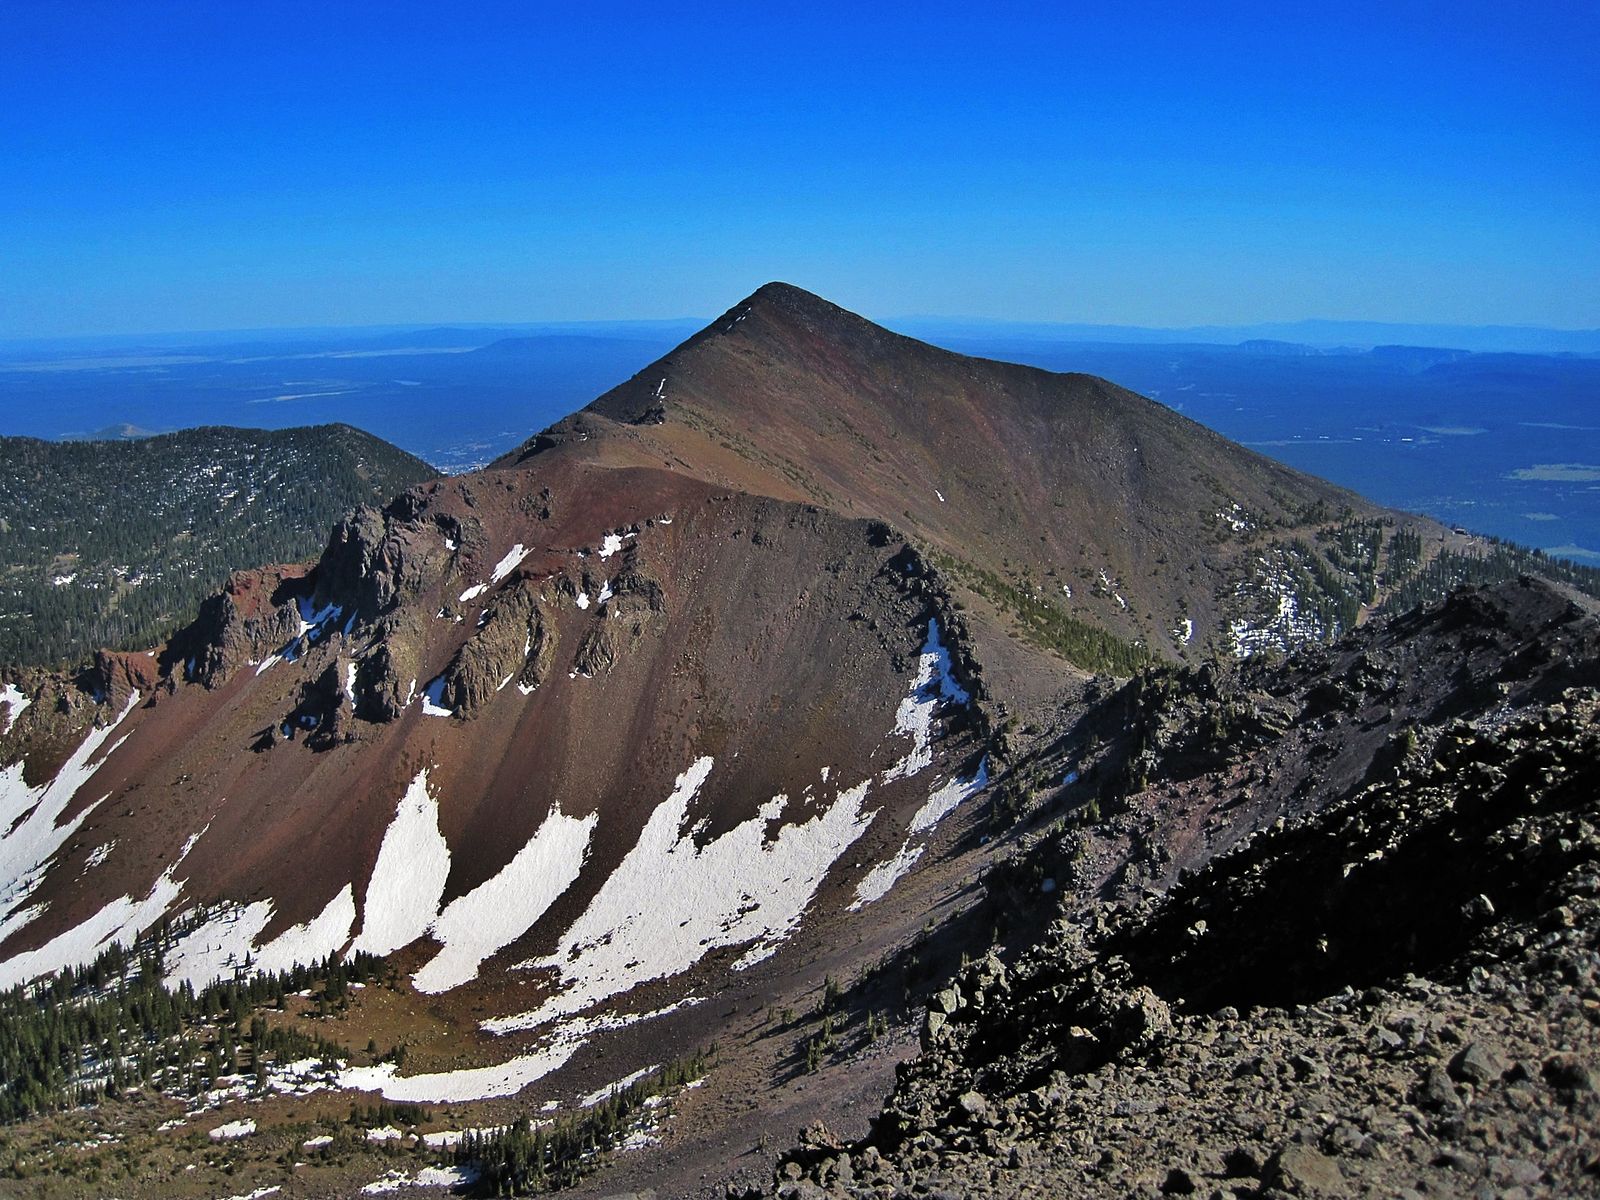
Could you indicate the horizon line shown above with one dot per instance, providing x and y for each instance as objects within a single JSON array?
[{"x": 17, "y": 340}]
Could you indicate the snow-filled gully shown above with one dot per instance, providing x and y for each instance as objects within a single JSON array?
[{"x": 667, "y": 905}]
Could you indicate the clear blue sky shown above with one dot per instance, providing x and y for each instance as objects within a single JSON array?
[{"x": 187, "y": 165}]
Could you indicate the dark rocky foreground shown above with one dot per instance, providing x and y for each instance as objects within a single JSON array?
[{"x": 1396, "y": 993}]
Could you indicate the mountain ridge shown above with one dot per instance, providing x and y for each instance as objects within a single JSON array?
[
  {"x": 706, "y": 701},
  {"x": 117, "y": 538}
]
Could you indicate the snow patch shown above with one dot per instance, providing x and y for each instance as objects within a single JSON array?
[
  {"x": 620, "y": 1085},
  {"x": 232, "y": 1131},
  {"x": 933, "y": 684},
  {"x": 943, "y": 802},
  {"x": 218, "y": 947},
  {"x": 436, "y": 1177},
  {"x": 15, "y": 702},
  {"x": 670, "y": 902},
  {"x": 445, "y": 1138},
  {"x": 409, "y": 877},
  {"x": 583, "y": 599},
  {"x": 877, "y": 882},
  {"x": 939, "y": 805},
  {"x": 324, "y": 934},
  {"x": 500, "y": 910},
  {"x": 433, "y": 699},
  {"x": 509, "y": 563},
  {"x": 1287, "y": 627},
  {"x": 29, "y": 816},
  {"x": 313, "y": 620},
  {"x": 499, "y": 1079},
  {"x": 119, "y": 923},
  {"x": 98, "y": 855}
]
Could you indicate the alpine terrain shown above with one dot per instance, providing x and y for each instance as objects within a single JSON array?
[
  {"x": 991, "y": 772},
  {"x": 113, "y": 541}
]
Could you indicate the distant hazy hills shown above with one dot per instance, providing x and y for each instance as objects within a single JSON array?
[
  {"x": 1317, "y": 336},
  {"x": 113, "y": 541}
]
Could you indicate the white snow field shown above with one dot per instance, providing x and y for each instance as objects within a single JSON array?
[
  {"x": 15, "y": 702},
  {"x": 28, "y": 815},
  {"x": 940, "y": 804},
  {"x": 671, "y": 902},
  {"x": 214, "y": 949},
  {"x": 500, "y": 910},
  {"x": 408, "y": 878},
  {"x": 500, "y": 1079},
  {"x": 502, "y": 568}
]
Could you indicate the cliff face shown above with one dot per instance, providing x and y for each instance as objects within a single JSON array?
[{"x": 257, "y": 614}]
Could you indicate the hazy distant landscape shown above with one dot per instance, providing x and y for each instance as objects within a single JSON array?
[{"x": 1505, "y": 444}]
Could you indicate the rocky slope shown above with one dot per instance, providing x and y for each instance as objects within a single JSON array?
[
  {"x": 1391, "y": 988},
  {"x": 693, "y": 722}
]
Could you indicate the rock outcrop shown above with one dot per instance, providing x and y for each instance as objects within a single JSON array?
[{"x": 1396, "y": 992}]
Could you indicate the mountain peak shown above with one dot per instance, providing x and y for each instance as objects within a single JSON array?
[
  {"x": 787, "y": 297},
  {"x": 787, "y": 304}
]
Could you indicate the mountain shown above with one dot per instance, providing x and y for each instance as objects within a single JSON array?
[
  {"x": 692, "y": 722},
  {"x": 112, "y": 542}
]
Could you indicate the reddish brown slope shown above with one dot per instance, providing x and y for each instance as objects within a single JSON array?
[
  {"x": 775, "y": 637},
  {"x": 1051, "y": 483}
]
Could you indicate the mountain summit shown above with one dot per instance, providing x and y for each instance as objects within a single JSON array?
[
  {"x": 712, "y": 588},
  {"x": 694, "y": 695}
]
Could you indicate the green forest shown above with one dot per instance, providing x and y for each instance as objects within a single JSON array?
[{"x": 114, "y": 543}]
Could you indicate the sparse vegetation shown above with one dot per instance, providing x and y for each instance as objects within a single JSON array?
[
  {"x": 528, "y": 1158},
  {"x": 1044, "y": 624},
  {"x": 81, "y": 1036},
  {"x": 1414, "y": 584}
]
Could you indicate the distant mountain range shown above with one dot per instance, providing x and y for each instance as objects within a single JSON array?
[
  {"x": 123, "y": 431},
  {"x": 1319, "y": 336},
  {"x": 1311, "y": 335}
]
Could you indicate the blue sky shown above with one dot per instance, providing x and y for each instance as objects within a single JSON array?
[{"x": 171, "y": 166}]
